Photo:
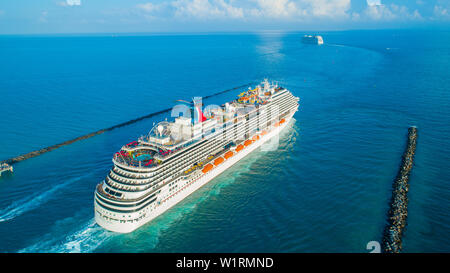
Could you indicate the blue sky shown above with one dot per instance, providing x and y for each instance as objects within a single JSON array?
[{"x": 85, "y": 16}]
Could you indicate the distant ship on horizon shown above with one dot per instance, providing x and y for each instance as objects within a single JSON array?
[{"x": 312, "y": 39}]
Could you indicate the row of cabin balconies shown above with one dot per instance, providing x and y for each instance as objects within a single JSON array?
[
  {"x": 129, "y": 181},
  {"x": 189, "y": 154},
  {"x": 132, "y": 174},
  {"x": 288, "y": 106},
  {"x": 285, "y": 107},
  {"x": 169, "y": 172},
  {"x": 187, "y": 162},
  {"x": 179, "y": 163},
  {"x": 124, "y": 189},
  {"x": 284, "y": 100},
  {"x": 136, "y": 178},
  {"x": 187, "y": 159},
  {"x": 125, "y": 199}
]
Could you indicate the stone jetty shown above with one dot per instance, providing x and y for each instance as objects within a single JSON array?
[
  {"x": 101, "y": 131},
  {"x": 392, "y": 237}
]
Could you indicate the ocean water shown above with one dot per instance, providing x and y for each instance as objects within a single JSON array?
[{"x": 325, "y": 189}]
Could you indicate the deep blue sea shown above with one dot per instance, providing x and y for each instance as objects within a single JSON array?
[{"x": 325, "y": 189}]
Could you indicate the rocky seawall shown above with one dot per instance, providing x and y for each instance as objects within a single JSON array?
[{"x": 392, "y": 237}]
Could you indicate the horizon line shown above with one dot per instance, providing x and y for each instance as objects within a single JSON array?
[{"x": 181, "y": 33}]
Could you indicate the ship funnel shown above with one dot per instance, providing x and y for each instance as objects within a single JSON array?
[{"x": 198, "y": 114}]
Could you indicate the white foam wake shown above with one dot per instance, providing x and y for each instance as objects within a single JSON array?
[
  {"x": 18, "y": 208},
  {"x": 86, "y": 239}
]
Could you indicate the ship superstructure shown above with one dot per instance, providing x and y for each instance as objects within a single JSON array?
[
  {"x": 4, "y": 167},
  {"x": 176, "y": 158},
  {"x": 312, "y": 39}
]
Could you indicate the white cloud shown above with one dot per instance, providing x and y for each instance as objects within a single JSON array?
[
  {"x": 420, "y": 2},
  {"x": 441, "y": 12},
  {"x": 329, "y": 8},
  {"x": 206, "y": 9},
  {"x": 67, "y": 3},
  {"x": 417, "y": 15},
  {"x": 373, "y": 2},
  {"x": 375, "y": 10},
  {"x": 301, "y": 9},
  {"x": 402, "y": 13},
  {"x": 276, "y": 9},
  {"x": 43, "y": 16},
  {"x": 73, "y": 2},
  {"x": 356, "y": 16},
  {"x": 294, "y": 10},
  {"x": 149, "y": 7}
]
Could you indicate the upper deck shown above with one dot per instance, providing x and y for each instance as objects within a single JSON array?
[{"x": 166, "y": 139}]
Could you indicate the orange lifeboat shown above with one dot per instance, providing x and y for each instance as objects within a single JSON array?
[
  {"x": 207, "y": 168},
  {"x": 218, "y": 161},
  {"x": 247, "y": 142},
  {"x": 255, "y": 138},
  {"x": 228, "y": 154},
  {"x": 239, "y": 147},
  {"x": 282, "y": 121},
  {"x": 263, "y": 132}
]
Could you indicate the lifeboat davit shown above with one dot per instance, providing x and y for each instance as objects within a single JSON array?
[
  {"x": 207, "y": 168},
  {"x": 218, "y": 161},
  {"x": 228, "y": 154}
]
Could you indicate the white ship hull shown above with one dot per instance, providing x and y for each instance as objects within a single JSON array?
[{"x": 187, "y": 189}]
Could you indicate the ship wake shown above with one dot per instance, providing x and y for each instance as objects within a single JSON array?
[
  {"x": 86, "y": 239},
  {"x": 20, "y": 207}
]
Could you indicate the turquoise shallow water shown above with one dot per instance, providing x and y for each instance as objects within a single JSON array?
[{"x": 326, "y": 188}]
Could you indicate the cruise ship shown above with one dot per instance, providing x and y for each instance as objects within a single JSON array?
[
  {"x": 176, "y": 158},
  {"x": 310, "y": 39}
]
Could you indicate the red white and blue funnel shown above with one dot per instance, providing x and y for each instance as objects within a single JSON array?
[{"x": 198, "y": 114}]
